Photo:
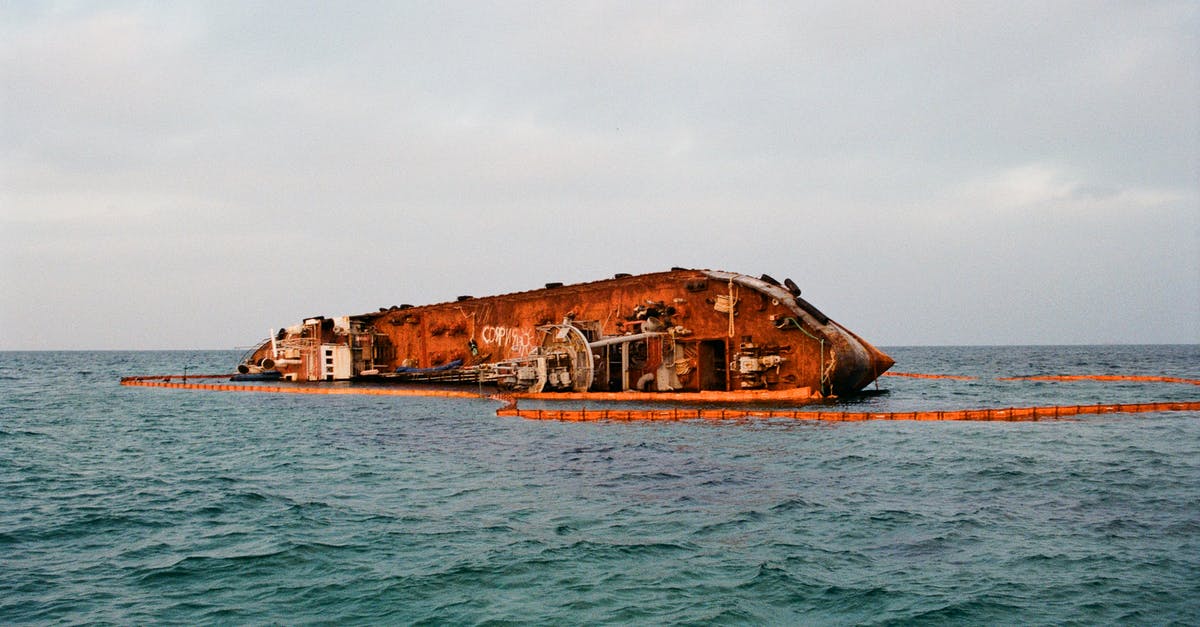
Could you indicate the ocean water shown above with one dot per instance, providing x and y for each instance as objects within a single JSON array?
[{"x": 135, "y": 506}]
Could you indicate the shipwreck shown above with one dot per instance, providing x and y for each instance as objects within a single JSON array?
[{"x": 681, "y": 334}]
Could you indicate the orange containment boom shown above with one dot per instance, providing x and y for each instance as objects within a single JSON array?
[
  {"x": 164, "y": 381},
  {"x": 1053, "y": 377},
  {"x": 510, "y": 409},
  {"x": 1010, "y": 414},
  {"x": 1103, "y": 377},
  {"x": 918, "y": 375}
]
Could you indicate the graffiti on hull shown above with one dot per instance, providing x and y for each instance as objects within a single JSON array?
[{"x": 518, "y": 341}]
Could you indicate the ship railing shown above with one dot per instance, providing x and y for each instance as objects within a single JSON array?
[{"x": 297, "y": 342}]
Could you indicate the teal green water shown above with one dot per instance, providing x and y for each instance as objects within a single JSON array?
[{"x": 132, "y": 506}]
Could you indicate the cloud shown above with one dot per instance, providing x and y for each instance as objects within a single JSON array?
[
  {"x": 1043, "y": 188},
  {"x": 924, "y": 156}
]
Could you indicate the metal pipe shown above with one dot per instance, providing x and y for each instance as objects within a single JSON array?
[{"x": 622, "y": 339}]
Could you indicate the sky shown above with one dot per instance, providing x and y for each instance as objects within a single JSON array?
[{"x": 190, "y": 175}]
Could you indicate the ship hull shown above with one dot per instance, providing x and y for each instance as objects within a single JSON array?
[{"x": 682, "y": 331}]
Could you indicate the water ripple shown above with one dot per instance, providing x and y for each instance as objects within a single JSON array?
[{"x": 133, "y": 506}]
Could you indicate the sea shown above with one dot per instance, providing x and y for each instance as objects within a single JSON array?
[{"x": 127, "y": 506}]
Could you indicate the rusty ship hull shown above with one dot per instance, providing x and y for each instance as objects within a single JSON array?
[{"x": 682, "y": 333}]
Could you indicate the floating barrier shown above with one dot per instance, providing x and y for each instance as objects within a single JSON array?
[
  {"x": 1103, "y": 377},
  {"x": 164, "y": 382},
  {"x": 917, "y": 375},
  {"x": 1053, "y": 377},
  {"x": 1009, "y": 414},
  {"x": 510, "y": 409}
]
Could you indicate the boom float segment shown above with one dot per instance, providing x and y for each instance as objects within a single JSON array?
[
  {"x": 1054, "y": 377},
  {"x": 667, "y": 333},
  {"x": 167, "y": 381},
  {"x": 1003, "y": 414}
]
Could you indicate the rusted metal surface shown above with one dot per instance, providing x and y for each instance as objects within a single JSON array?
[
  {"x": 682, "y": 331},
  {"x": 773, "y": 397}
]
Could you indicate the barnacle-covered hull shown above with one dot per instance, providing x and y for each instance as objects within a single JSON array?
[{"x": 676, "y": 332}]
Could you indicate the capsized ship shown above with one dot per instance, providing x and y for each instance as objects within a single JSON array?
[{"x": 666, "y": 333}]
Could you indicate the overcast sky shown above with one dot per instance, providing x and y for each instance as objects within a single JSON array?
[{"x": 189, "y": 175}]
